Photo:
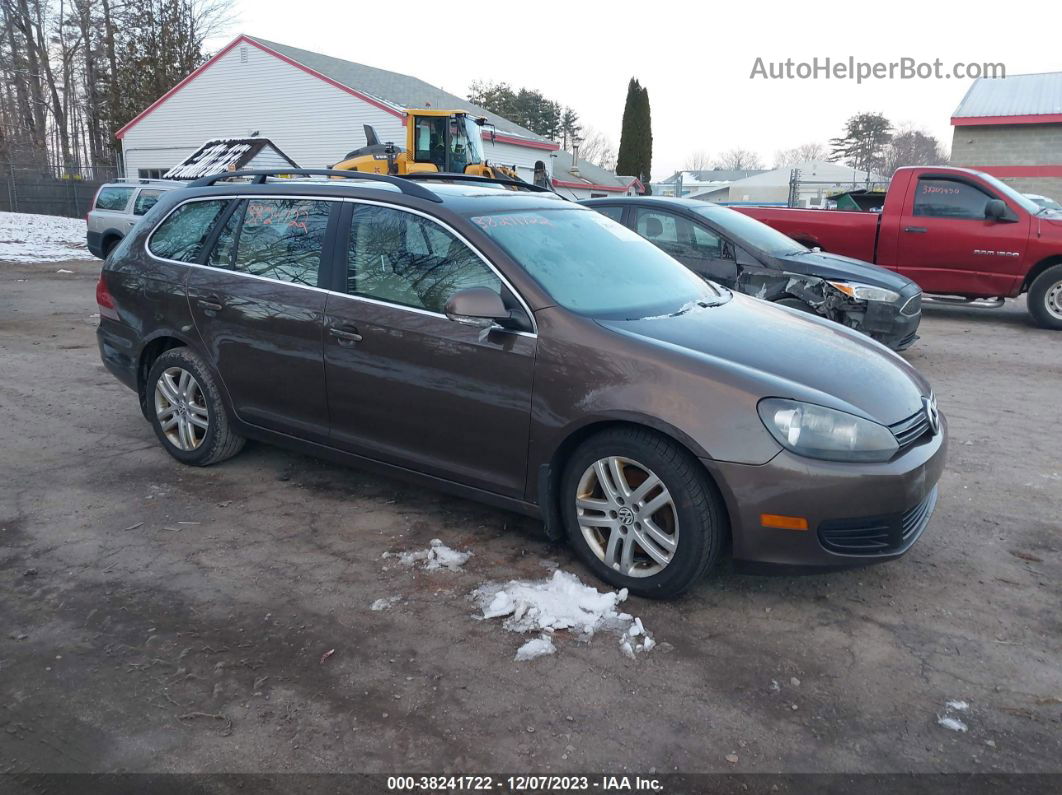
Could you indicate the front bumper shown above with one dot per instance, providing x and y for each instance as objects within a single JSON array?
[
  {"x": 894, "y": 325},
  {"x": 885, "y": 506}
]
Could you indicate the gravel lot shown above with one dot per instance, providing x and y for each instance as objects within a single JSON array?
[{"x": 159, "y": 618}]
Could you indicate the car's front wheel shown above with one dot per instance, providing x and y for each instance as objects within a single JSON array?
[
  {"x": 641, "y": 512},
  {"x": 185, "y": 408},
  {"x": 1045, "y": 298}
]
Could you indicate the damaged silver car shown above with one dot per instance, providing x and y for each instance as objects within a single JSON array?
[{"x": 750, "y": 257}]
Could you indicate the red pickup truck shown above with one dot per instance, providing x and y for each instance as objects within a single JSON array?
[{"x": 958, "y": 233}]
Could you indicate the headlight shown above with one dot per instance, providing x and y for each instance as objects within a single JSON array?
[
  {"x": 866, "y": 292},
  {"x": 819, "y": 432}
]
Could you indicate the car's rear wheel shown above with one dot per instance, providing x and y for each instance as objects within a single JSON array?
[
  {"x": 1045, "y": 298},
  {"x": 186, "y": 411},
  {"x": 641, "y": 512},
  {"x": 109, "y": 244}
]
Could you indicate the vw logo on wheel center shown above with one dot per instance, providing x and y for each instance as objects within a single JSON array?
[{"x": 626, "y": 516}]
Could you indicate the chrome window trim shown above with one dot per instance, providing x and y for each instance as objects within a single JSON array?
[
  {"x": 147, "y": 248},
  {"x": 490, "y": 265}
]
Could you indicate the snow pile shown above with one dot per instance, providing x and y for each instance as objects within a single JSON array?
[
  {"x": 41, "y": 238},
  {"x": 385, "y": 603},
  {"x": 536, "y": 647},
  {"x": 561, "y": 602},
  {"x": 950, "y": 721},
  {"x": 436, "y": 556}
]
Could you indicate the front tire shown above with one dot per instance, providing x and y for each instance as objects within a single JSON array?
[
  {"x": 1045, "y": 298},
  {"x": 185, "y": 409},
  {"x": 641, "y": 512}
]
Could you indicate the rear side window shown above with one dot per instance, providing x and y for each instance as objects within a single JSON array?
[
  {"x": 182, "y": 235},
  {"x": 113, "y": 198},
  {"x": 405, "y": 259},
  {"x": 610, "y": 210},
  {"x": 945, "y": 198},
  {"x": 145, "y": 200},
  {"x": 278, "y": 239}
]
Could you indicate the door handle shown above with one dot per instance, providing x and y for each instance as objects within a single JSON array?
[
  {"x": 211, "y": 304},
  {"x": 918, "y": 230},
  {"x": 345, "y": 336}
]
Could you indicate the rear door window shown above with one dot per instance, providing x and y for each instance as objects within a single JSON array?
[
  {"x": 182, "y": 235},
  {"x": 946, "y": 198},
  {"x": 613, "y": 211},
  {"x": 114, "y": 198},
  {"x": 145, "y": 200},
  {"x": 281, "y": 239}
]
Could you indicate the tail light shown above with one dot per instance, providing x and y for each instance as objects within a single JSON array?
[{"x": 105, "y": 300}]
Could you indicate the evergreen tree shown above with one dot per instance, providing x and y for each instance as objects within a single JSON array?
[
  {"x": 636, "y": 137},
  {"x": 864, "y": 142}
]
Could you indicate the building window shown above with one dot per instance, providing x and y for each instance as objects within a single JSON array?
[{"x": 150, "y": 173}]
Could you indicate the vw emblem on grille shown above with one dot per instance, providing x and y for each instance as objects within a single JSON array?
[
  {"x": 626, "y": 516},
  {"x": 932, "y": 414}
]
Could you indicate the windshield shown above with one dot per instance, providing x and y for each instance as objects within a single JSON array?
[
  {"x": 591, "y": 265},
  {"x": 1026, "y": 204},
  {"x": 750, "y": 232},
  {"x": 466, "y": 143}
]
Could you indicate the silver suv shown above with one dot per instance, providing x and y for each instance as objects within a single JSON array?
[{"x": 118, "y": 206}]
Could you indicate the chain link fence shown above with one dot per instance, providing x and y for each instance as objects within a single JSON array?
[{"x": 25, "y": 189}]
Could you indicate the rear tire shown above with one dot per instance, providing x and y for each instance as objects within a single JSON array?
[
  {"x": 109, "y": 245},
  {"x": 185, "y": 408},
  {"x": 1045, "y": 298},
  {"x": 675, "y": 527}
]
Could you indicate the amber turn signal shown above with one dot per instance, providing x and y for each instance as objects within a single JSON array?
[{"x": 783, "y": 522}]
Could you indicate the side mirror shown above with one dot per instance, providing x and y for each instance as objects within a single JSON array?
[
  {"x": 476, "y": 306},
  {"x": 996, "y": 210}
]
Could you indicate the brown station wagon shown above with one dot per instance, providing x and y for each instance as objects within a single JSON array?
[{"x": 519, "y": 349}]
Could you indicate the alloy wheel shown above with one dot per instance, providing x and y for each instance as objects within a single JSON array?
[
  {"x": 627, "y": 516},
  {"x": 180, "y": 407}
]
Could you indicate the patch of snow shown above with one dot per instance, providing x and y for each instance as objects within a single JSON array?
[
  {"x": 562, "y": 602},
  {"x": 536, "y": 647},
  {"x": 41, "y": 238},
  {"x": 385, "y": 603},
  {"x": 436, "y": 556},
  {"x": 949, "y": 722},
  {"x": 960, "y": 706}
]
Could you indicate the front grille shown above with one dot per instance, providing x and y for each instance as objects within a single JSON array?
[
  {"x": 877, "y": 535},
  {"x": 913, "y": 306},
  {"x": 910, "y": 430}
]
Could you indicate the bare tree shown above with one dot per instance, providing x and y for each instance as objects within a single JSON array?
[
  {"x": 739, "y": 160},
  {"x": 597, "y": 148},
  {"x": 697, "y": 161},
  {"x": 912, "y": 147},
  {"x": 800, "y": 154},
  {"x": 74, "y": 71}
]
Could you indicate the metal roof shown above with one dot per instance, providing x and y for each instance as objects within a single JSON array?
[
  {"x": 712, "y": 175},
  {"x": 399, "y": 90},
  {"x": 588, "y": 172},
  {"x": 1014, "y": 95}
]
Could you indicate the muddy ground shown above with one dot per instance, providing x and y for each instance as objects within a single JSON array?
[{"x": 161, "y": 618}]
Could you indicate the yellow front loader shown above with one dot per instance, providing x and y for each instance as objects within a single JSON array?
[{"x": 447, "y": 141}]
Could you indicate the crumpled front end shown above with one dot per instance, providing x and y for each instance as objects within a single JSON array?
[{"x": 892, "y": 323}]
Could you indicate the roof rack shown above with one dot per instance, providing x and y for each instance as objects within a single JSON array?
[
  {"x": 443, "y": 176},
  {"x": 147, "y": 180},
  {"x": 261, "y": 175}
]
